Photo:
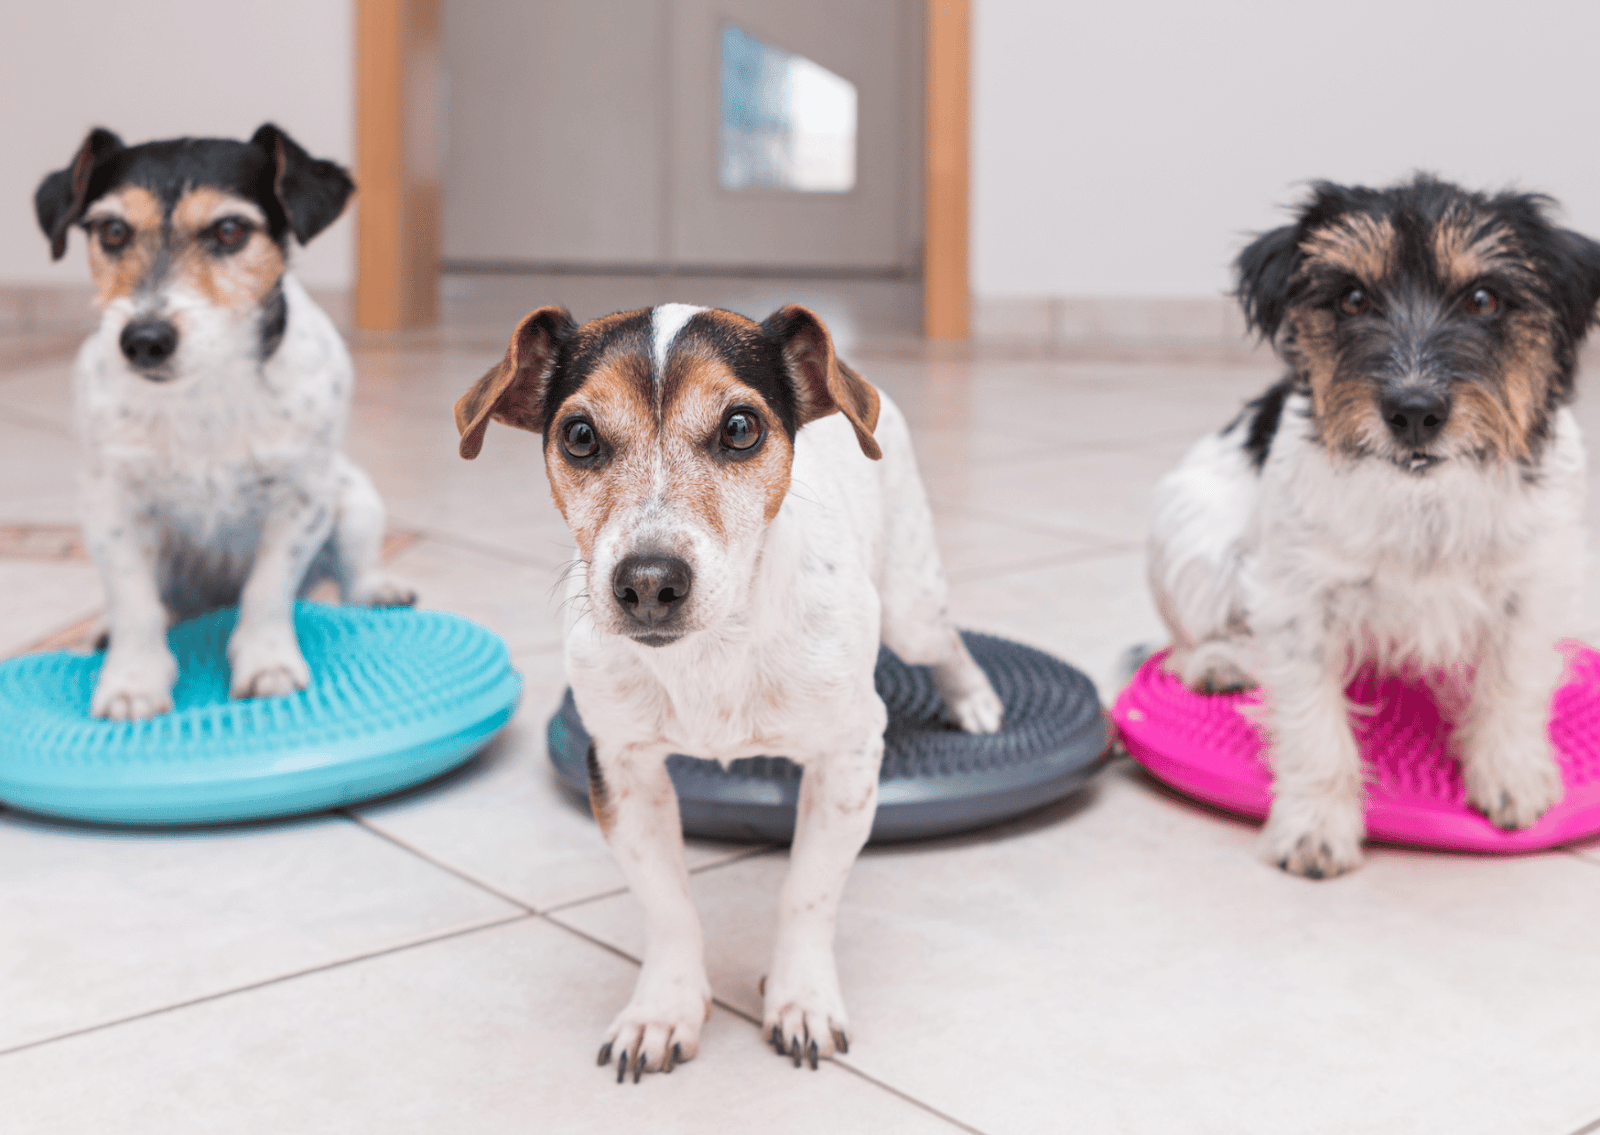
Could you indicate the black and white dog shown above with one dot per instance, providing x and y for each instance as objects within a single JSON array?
[
  {"x": 1409, "y": 495},
  {"x": 212, "y": 403}
]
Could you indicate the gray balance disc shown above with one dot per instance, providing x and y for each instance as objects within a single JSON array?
[{"x": 935, "y": 781}]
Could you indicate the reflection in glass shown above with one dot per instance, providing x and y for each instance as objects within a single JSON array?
[{"x": 786, "y": 122}]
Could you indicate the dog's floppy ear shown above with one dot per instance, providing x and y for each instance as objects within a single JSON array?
[
  {"x": 62, "y": 196},
  {"x": 311, "y": 191},
  {"x": 823, "y": 384},
  {"x": 513, "y": 390},
  {"x": 1576, "y": 273},
  {"x": 1264, "y": 270}
]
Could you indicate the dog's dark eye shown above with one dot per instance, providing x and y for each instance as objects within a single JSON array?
[
  {"x": 741, "y": 430},
  {"x": 230, "y": 232},
  {"x": 1482, "y": 302},
  {"x": 1354, "y": 302},
  {"x": 114, "y": 234},
  {"x": 579, "y": 440}
]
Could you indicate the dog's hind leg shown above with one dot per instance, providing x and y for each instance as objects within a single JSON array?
[
  {"x": 1503, "y": 739},
  {"x": 263, "y": 651},
  {"x": 1198, "y": 559},
  {"x": 911, "y": 589},
  {"x": 803, "y": 1014},
  {"x": 357, "y": 543},
  {"x": 637, "y": 809}
]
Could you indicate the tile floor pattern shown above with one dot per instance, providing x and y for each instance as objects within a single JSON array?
[{"x": 446, "y": 960}]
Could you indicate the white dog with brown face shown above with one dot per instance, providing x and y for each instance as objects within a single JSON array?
[
  {"x": 212, "y": 404},
  {"x": 742, "y": 552}
]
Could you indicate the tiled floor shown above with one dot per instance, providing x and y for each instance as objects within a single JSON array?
[{"x": 446, "y": 960}]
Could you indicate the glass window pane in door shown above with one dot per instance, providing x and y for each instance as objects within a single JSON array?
[{"x": 787, "y": 123}]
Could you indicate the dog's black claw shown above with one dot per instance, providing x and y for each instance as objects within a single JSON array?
[
  {"x": 622, "y": 1065},
  {"x": 811, "y": 1055},
  {"x": 841, "y": 1042},
  {"x": 674, "y": 1057},
  {"x": 605, "y": 1054},
  {"x": 776, "y": 1040},
  {"x": 794, "y": 1051},
  {"x": 638, "y": 1065}
]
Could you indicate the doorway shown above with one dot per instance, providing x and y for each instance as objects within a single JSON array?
[{"x": 684, "y": 137}]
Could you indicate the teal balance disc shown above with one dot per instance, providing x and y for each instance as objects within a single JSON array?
[{"x": 397, "y": 697}]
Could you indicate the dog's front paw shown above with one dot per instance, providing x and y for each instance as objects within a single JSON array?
[
  {"x": 1514, "y": 790},
  {"x": 1316, "y": 842},
  {"x": 979, "y": 711},
  {"x": 658, "y": 1029},
  {"x": 134, "y": 685},
  {"x": 381, "y": 591},
  {"x": 803, "y": 1016},
  {"x": 267, "y": 664}
]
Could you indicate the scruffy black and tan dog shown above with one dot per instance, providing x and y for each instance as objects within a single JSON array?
[
  {"x": 1409, "y": 495},
  {"x": 212, "y": 403}
]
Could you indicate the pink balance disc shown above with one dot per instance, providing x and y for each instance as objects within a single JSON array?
[{"x": 1203, "y": 745}]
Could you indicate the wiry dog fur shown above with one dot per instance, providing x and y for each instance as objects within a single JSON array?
[
  {"x": 1408, "y": 496},
  {"x": 212, "y": 403},
  {"x": 741, "y": 555}
]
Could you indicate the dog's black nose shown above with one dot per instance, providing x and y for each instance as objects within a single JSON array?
[
  {"x": 149, "y": 342},
  {"x": 652, "y": 588},
  {"x": 1415, "y": 417}
]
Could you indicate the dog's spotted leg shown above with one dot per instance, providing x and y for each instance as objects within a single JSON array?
[
  {"x": 803, "y": 1015},
  {"x": 264, "y": 652},
  {"x": 358, "y": 543},
  {"x": 1503, "y": 739},
  {"x": 1316, "y": 823},
  {"x": 637, "y": 809},
  {"x": 137, "y": 674}
]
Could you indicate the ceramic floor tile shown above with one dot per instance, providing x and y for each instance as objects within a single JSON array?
[
  {"x": 1099, "y": 491},
  {"x": 520, "y": 603},
  {"x": 493, "y": 1031},
  {"x": 1126, "y": 961},
  {"x": 38, "y": 474},
  {"x": 1072, "y": 404},
  {"x": 975, "y": 546},
  {"x": 41, "y": 597},
  {"x": 505, "y": 819},
  {"x": 500, "y": 501},
  {"x": 1087, "y": 611},
  {"x": 99, "y": 925}
]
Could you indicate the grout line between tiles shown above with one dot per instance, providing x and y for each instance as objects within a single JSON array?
[
  {"x": 278, "y": 979},
  {"x": 505, "y": 896},
  {"x": 735, "y": 1011},
  {"x": 465, "y": 876},
  {"x": 738, "y": 857}
]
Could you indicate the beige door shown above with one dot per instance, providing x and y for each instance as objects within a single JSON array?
[{"x": 683, "y": 135}]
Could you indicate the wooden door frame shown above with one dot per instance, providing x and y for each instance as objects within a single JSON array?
[
  {"x": 946, "y": 290},
  {"x": 398, "y": 176},
  {"x": 397, "y": 164}
]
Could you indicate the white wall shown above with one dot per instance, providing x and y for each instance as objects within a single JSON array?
[
  {"x": 159, "y": 69},
  {"x": 1126, "y": 147}
]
